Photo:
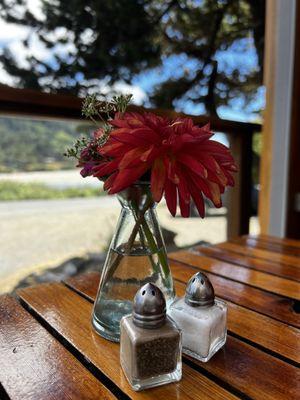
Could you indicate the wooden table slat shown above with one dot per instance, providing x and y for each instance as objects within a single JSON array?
[
  {"x": 259, "y": 329},
  {"x": 292, "y": 243},
  {"x": 258, "y": 300},
  {"x": 246, "y": 368},
  {"x": 34, "y": 365},
  {"x": 271, "y": 283},
  {"x": 270, "y": 267},
  {"x": 69, "y": 315},
  {"x": 261, "y": 254},
  {"x": 261, "y": 376},
  {"x": 278, "y": 245},
  {"x": 270, "y": 246}
]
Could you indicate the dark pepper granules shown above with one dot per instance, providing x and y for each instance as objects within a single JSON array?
[{"x": 157, "y": 357}]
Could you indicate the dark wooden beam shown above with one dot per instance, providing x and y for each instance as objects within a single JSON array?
[
  {"x": 293, "y": 203},
  {"x": 246, "y": 184},
  {"x": 31, "y": 103}
]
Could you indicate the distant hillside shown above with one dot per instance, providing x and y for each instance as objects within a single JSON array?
[{"x": 29, "y": 145}]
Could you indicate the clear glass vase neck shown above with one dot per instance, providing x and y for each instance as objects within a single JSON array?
[{"x": 137, "y": 197}]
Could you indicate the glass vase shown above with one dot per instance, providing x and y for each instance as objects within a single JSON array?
[{"x": 137, "y": 255}]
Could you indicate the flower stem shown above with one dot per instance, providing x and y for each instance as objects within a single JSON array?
[
  {"x": 112, "y": 268},
  {"x": 142, "y": 227},
  {"x": 154, "y": 248},
  {"x": 143, "y": 241}
]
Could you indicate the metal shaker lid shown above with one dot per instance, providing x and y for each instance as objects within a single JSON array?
[
  {"x": 199, "y": 291},
  {"x": 149, "y": 307}
]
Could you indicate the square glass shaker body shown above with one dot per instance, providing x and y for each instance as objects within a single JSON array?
[
  {"x": 150, "y": 357},
  {"x": 204, "y": 329}
]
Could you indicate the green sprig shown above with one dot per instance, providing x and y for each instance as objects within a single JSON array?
[
  {"x": 76, "y": 149},
  {"x": 95, "y": 109},
  {"x": 121, "y": 102}
]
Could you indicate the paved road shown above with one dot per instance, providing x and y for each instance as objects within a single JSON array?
[
  {"x": 35, "y": 235},
  {"x": 57, "y": 179}
]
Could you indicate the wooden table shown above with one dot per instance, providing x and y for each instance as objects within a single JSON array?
[{"x": 48, "y": 349}]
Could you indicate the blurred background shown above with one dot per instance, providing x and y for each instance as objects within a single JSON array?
[{"x": 200, "y": 57}]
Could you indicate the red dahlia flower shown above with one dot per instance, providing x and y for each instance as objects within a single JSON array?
[{"x": 183, "y": 160}]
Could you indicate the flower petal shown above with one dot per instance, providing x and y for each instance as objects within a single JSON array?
[
  {"x": 158, "y": 178},
  {"x": 184, "y": 194},
  {"x": 184, "y": 206},
  {"x": 193, "y": 164},
  {"x": 131, "y": 158},
  {"x": 172, "y": 173},
  {"x": 105, "y": 168},
  {"x": 109, "y": 181},
  {"x": 171, "y": 196},
  {"x": 217, "y": 177},
  {"x": 113, "y": 148},
  {"x": 198, "y": 199},
  {"x": 127, "y": 177},
  {"x": 129, "y": 138},
  {"x": 215, "y": 192}
]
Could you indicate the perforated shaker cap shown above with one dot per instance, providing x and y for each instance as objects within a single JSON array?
[
  {"x": 149, "y": 307},
  {"x": 199, "y": 291}
]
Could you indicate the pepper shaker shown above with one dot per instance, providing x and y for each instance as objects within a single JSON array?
[
  {"x": 201, "y": 317},
  {"x": 150, "y": 342}
]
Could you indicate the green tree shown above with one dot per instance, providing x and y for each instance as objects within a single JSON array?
[
  {"x": 203, "y": 31},
  {"x": 111, "y": 40},
  {"x": 33, "y": 145},
  {"x": 105, "y": 39}
]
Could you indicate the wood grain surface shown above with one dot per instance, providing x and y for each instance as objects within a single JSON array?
[
  {"x": 260, "y": 330},
  {"x": 277, "y": 245},
  {"x": 270, "y": 267},
  {"x": 269, "y": 304},
  {"x": 267, "y": 332},
  {"x": 49, "y": 349},
  {"x": 69, "y": 316},
  {"x": 63, "y": 310},
  {"x": 254, "y": 372},
  {"x": 262, "y": 254},
  {"x": 34, "y": 365},
  {"x": 278, "y": 240},
  {"x": 271, "y": 283}
]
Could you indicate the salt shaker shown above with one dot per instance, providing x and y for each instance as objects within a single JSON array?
[
  {"x": 150, "y": 342},
  {"x": 201, "y": 317}
]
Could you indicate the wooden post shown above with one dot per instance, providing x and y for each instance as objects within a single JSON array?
[
  {"x": 279, "y": 53},
  {"x": 293, "y": 209},
  {"x": 234, "y": 194},
  {"x": 239, "y": 198}
]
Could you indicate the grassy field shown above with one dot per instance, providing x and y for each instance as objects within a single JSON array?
[{"x": 10, "y": 190}]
